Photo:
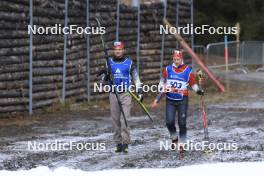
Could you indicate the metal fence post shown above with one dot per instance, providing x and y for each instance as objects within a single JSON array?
[
  {"x": 263, "y": 54},
  {"x": 177, "y": 20},
  {"x": 226, "y": 53},
  {"x": 242, "y": 53},
  {"x": 192, "y": 35},
  {"x": 88, "y": 51},
  {"x": 31, "y": 58},
  {"x": 117, "y": 20},
  {"x": 163, "y": 38},
  {"x": 135, "y": 3},
  {"x": 65, "y": 54},
  {"x": 138, "y": 35}
]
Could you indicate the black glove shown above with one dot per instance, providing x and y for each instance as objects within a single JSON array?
[
  {"x": 104, "y": 75},
  {"x": 101, "y": 72},
  {"x": 140, "y": 96},
  {"x": 200, "y": 92}
]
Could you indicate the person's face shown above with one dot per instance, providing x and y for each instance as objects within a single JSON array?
[
  {"x": 177, "y": 61},
  {"x": 119, "y": 52}
]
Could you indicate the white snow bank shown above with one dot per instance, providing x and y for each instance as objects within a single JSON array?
[{"x": 219, "y": 169}]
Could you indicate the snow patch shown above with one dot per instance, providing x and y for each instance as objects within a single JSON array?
[{"x": 218, "y": 169}]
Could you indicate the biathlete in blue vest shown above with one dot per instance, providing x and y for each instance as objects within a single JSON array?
[
  {"x": 123, "y": 72},
  {"x": 175, "y": 81}
]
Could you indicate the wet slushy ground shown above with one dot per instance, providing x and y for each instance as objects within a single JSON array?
[{"x": 233, "y": 119}]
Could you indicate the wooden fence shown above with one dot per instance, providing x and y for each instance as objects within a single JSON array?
[{"x": 48, "y": 49}]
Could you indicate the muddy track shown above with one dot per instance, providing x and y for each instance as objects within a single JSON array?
[{"x": 234, "y": 122}]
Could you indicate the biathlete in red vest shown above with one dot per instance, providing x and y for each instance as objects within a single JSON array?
[{"x": 176, "y": 79}]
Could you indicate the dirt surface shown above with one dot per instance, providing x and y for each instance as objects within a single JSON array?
[{"x": 235, "y": 117}]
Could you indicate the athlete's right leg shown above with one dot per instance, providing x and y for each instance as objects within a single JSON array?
[
  {"x": 115, "y": 115},
  {"x": 170, "y": 118}
]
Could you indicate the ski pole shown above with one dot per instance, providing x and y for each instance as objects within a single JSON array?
[
  {"x": 111, "y": 74},
  {"x": 200, "y": 76},
  {"x": 143, "y": 107},
  {"x": 204, "y": 118}
]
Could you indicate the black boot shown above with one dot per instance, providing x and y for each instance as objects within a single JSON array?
[
  {"x": 125, "y": 148},
  {"x": 119, "y": 148},
  {"x": 174, "y": 144}
]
